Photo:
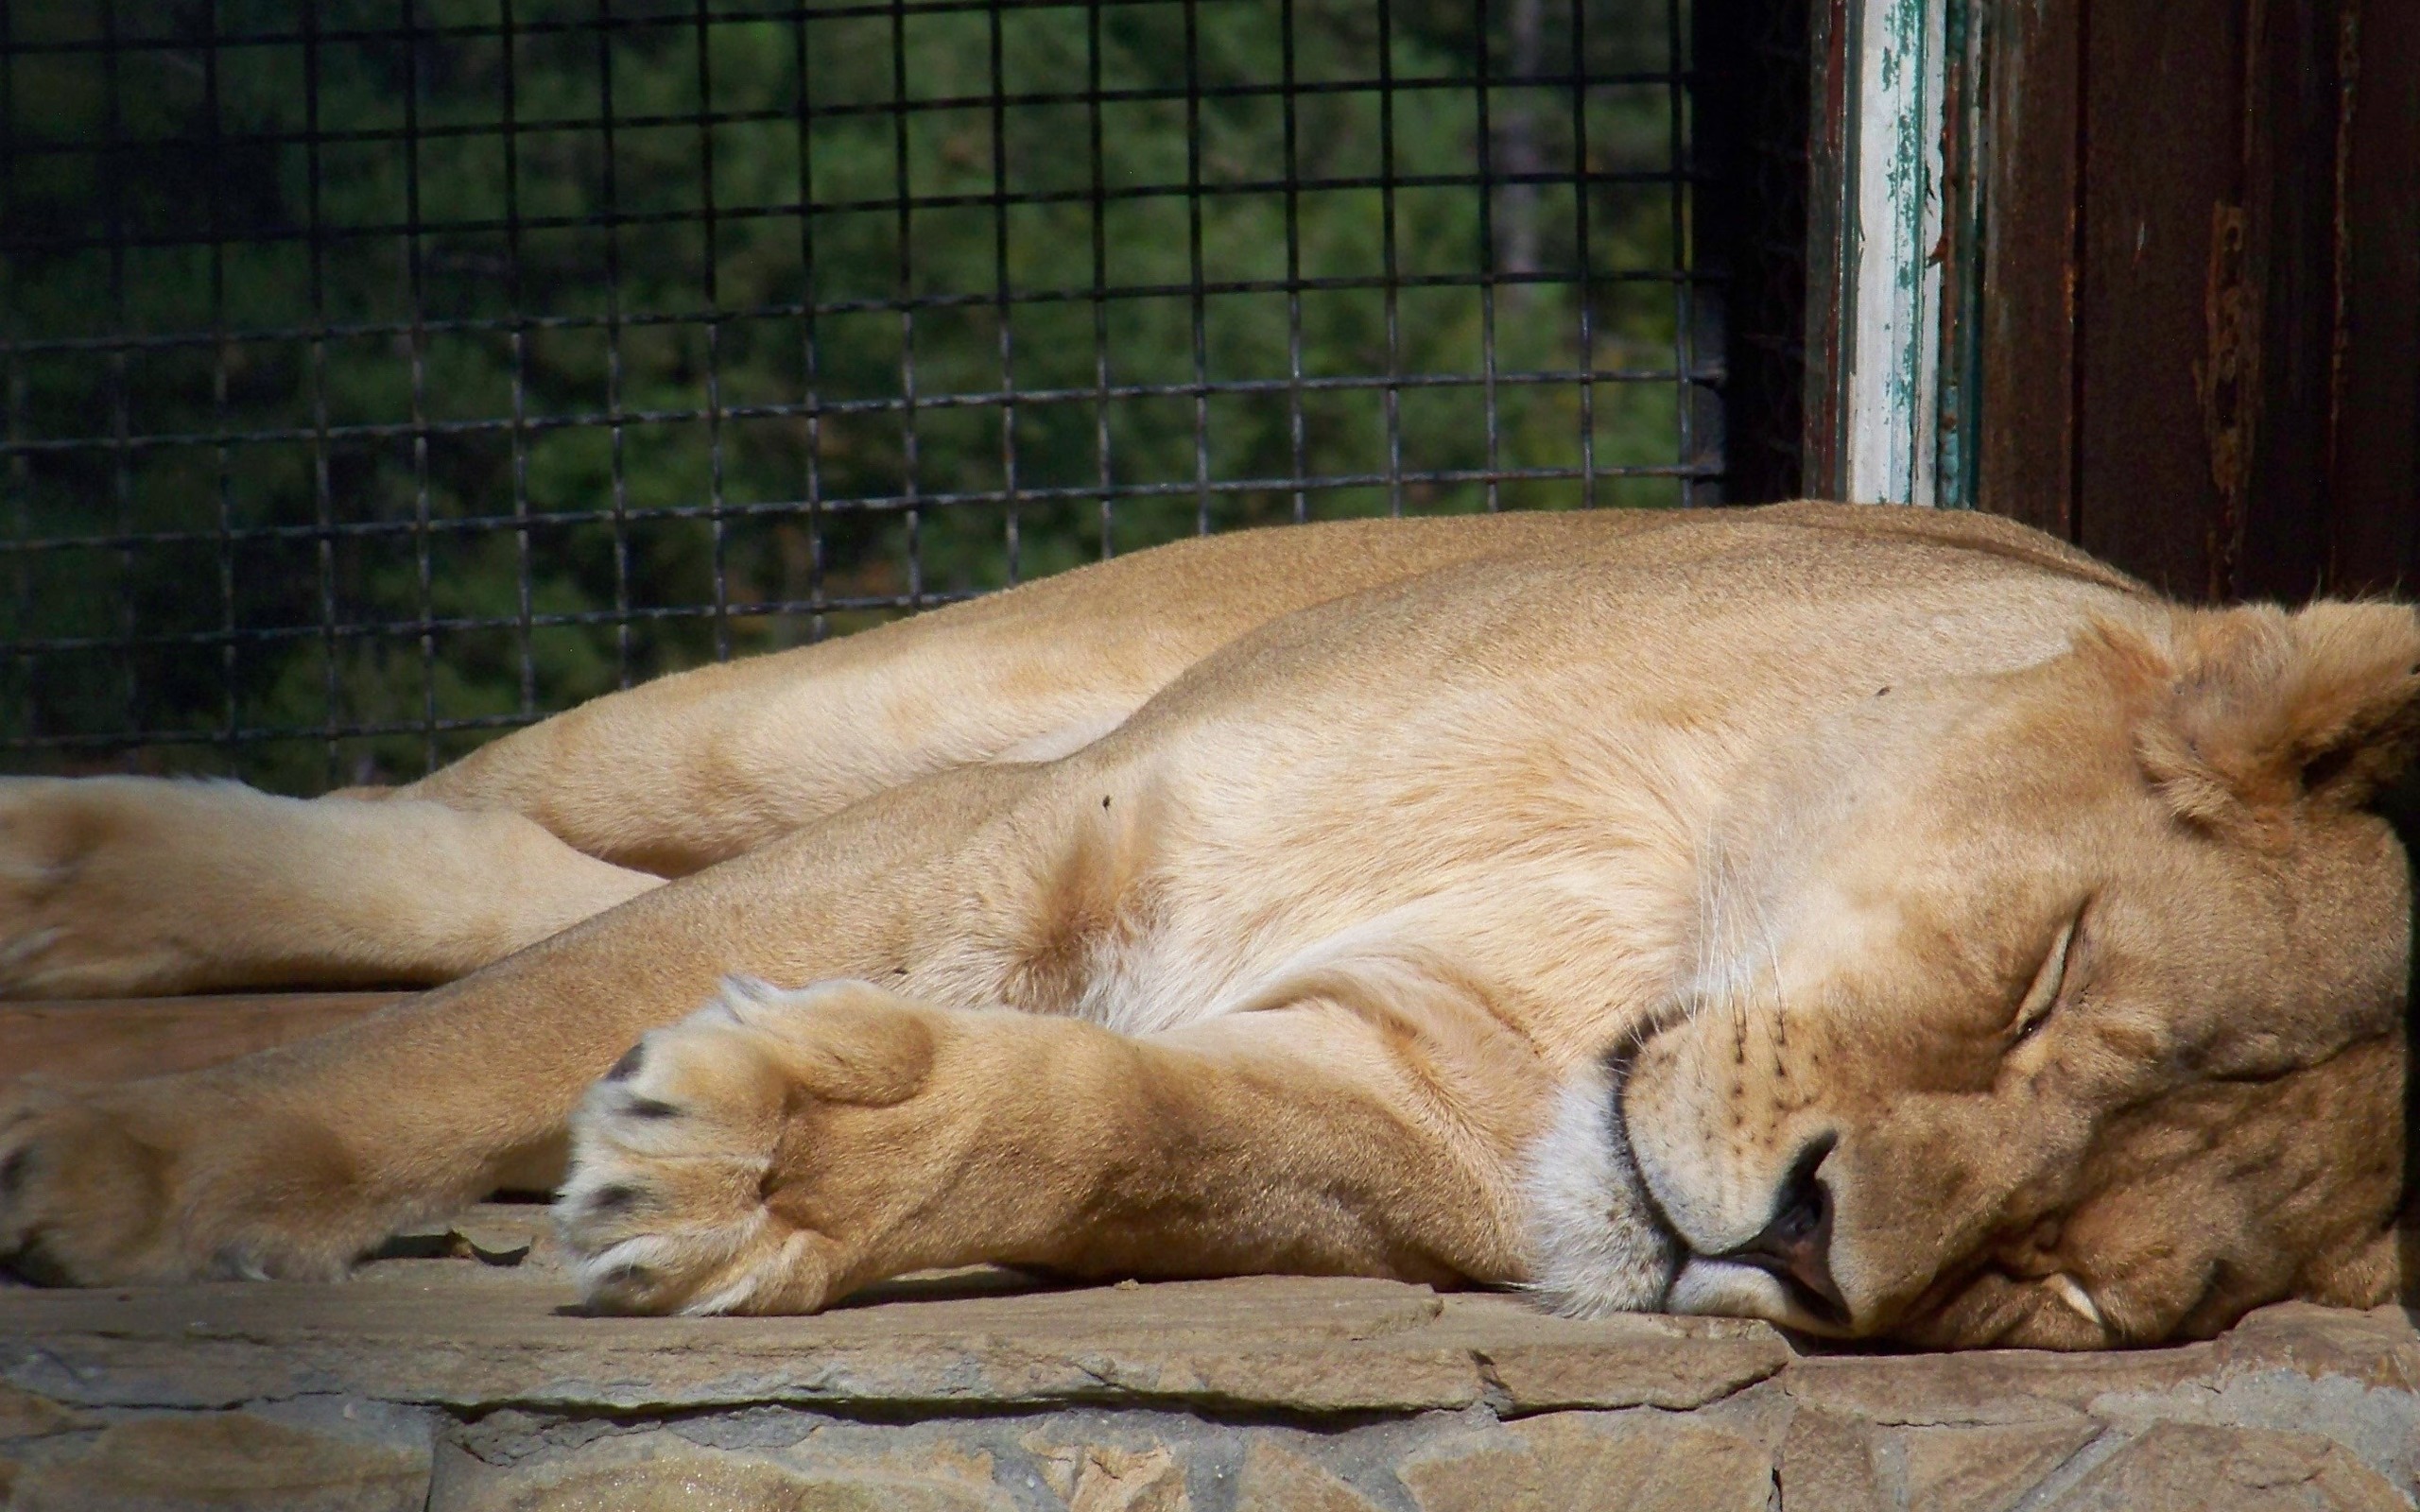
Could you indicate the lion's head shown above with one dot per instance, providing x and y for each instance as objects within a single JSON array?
[{"x": 2059, "y": 1008}]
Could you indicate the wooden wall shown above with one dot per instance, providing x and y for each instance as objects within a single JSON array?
[{"x": 2202, "y": 288}]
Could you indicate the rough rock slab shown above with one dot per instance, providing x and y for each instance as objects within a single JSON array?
[{"x": 457, "y": 1375}]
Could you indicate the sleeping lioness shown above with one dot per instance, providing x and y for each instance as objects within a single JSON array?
[{"x": 1880, "y": 921}]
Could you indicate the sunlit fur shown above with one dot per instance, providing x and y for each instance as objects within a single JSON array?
[{"x": 1514, "y": 900}]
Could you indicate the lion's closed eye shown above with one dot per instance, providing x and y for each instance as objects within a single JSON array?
[{"x": 2050, "y": 980}]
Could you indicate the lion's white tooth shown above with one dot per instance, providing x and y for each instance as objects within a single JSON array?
[{"x": 2073, "y": 1292}]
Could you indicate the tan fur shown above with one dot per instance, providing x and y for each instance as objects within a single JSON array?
[{"x": 1519, "y": 899}]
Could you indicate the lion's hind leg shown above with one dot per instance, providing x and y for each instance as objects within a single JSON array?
[{"x": 121, "y": 885}]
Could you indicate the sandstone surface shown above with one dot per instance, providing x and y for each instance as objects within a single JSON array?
[{"x": 455, "y": 1375}]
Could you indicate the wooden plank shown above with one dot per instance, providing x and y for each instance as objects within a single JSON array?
[
  {"x": 2373, "y": 457},
  {"x": 1822, "y": 468},
  {"x": 1965, "y": 90},
  {"x": 2025, "y": 466},
  {"x": 2292, "y": 120},
  {"x": 119, "y": 1038},
  {"x": 2202, "y": 289},
  {"x": 2167, "y": 309}
]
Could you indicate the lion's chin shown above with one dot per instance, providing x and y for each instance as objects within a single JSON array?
[
  {"x": 1597, "y": 1242},
  {"x": 1727, "y": 1288}
]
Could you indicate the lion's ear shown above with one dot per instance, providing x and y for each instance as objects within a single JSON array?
[{"x": 2264, "y": 709}]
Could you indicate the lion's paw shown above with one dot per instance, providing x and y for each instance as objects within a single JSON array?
[
  {"x": 694, "y": 1184},
  {"x": 79, "y": 1192},
  {"x": 147, "y": 1182},
  {"x": 82, "y": 912}
]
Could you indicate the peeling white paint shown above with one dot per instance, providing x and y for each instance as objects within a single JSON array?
[{"x": 1894, "y": 197}]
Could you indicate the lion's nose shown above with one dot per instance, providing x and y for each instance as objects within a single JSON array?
[{"x": 1796, "y": 1246}]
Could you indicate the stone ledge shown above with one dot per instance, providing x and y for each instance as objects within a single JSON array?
[{"x": 457, "y": 1377}]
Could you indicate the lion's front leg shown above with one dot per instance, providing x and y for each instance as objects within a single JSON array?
[
  {"x": 778, "y": 1150},
  {"x": 292, "y": 1161}
]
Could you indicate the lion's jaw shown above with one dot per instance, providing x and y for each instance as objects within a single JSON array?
[{"x": 1992, "y": 1038}]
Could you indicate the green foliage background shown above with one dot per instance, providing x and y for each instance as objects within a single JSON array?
[{"x": 387, "y": 416}]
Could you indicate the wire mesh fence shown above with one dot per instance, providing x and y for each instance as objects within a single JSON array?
[{"x": 381, "y": 375}]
